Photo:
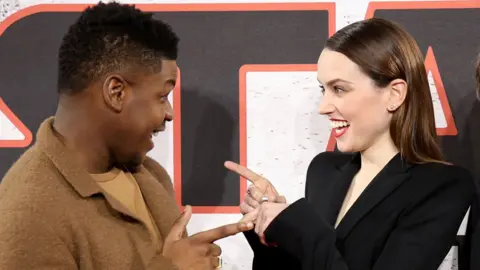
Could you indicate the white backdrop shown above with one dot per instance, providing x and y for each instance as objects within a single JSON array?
[{"x": 300, "y": 133}]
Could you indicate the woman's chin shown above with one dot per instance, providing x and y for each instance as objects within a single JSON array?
[{"x": 346, "y": 148}]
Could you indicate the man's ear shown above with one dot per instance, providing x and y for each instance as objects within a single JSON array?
[
  {"x": 114, "y": 92},
  {"x": 398, "y": 91}
]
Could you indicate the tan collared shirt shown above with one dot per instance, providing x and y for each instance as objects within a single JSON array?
[{"x": 124, "y": 188}]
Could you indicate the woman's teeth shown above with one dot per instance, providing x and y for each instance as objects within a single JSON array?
[{"x": 338, "y": 124}]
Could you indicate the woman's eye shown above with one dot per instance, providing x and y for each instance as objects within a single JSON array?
[
  {"x": 337, "y": 89},
  {"x": 322, "y": 89}
]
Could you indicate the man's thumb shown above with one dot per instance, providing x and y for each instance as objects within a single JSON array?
[{"x": 180, "y": 225}]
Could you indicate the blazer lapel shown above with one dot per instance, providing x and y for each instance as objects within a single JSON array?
[
  {"x": 386, "y": 181},
  {"x": 340, "y": 188}
]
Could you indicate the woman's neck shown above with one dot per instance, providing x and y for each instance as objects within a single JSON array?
[{"x": 379, "y": 154}]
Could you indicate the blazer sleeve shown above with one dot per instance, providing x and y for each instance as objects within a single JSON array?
[
  {"x": 471, "y": 260},
  {"x": 27, "y": 242},
  {"x": 421, "y": 239},
  {"x": 269, "y": 257}
]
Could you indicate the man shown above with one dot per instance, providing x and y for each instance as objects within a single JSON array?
[{"x": 86, "y": 196}]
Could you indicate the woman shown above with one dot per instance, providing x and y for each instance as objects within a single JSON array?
[{"x": 387, "y": 200}]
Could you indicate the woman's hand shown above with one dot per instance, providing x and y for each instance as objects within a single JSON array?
[
  {"x": 262, "y": 203},
  {"x": 260, "y": 191},
  {"x": 262, "y": 216},
  {"x": 266, "y": 213}
]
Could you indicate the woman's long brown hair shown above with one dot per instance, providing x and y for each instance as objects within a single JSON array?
[{"x": 385, "y": 51}]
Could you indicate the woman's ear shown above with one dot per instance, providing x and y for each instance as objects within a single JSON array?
[{"x": 398, "y": 91}]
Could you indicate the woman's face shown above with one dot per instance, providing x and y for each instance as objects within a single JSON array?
[{"x": 358, "y": 110}]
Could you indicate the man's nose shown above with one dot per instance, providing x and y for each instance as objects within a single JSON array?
[{"x": 169, "y": 115}]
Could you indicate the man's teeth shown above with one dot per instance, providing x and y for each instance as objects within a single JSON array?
[
  {"x": 339, "y": 124},
  {"x": 155, "y": 133}
]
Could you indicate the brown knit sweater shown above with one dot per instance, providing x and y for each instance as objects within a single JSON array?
[{"x": 54, "y": 216}]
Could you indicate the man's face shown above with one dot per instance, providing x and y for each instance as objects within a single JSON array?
[{"x": 144, "y": 110}]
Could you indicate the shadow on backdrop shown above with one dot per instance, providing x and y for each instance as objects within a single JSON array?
[{"x": 209, "y": 149}]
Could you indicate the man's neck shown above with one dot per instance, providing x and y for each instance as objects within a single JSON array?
[{"x": 82, "y": 137}]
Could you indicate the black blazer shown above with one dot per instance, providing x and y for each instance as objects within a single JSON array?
[
  {"x": 406, "y": 219},
  {"x": 471, "y": 241}
]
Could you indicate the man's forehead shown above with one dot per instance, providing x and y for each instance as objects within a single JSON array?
[
  {"x": 167, "y": 72},
  {"x": 169, "y": 66}
]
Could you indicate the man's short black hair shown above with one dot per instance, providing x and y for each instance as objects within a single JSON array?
[{"x": 112, "y": 36}]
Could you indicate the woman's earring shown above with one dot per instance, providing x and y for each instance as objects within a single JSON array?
[{"x": 391, "y": 107}]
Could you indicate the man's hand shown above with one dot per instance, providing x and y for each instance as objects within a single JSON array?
[{"x": 198, "y": 251}]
